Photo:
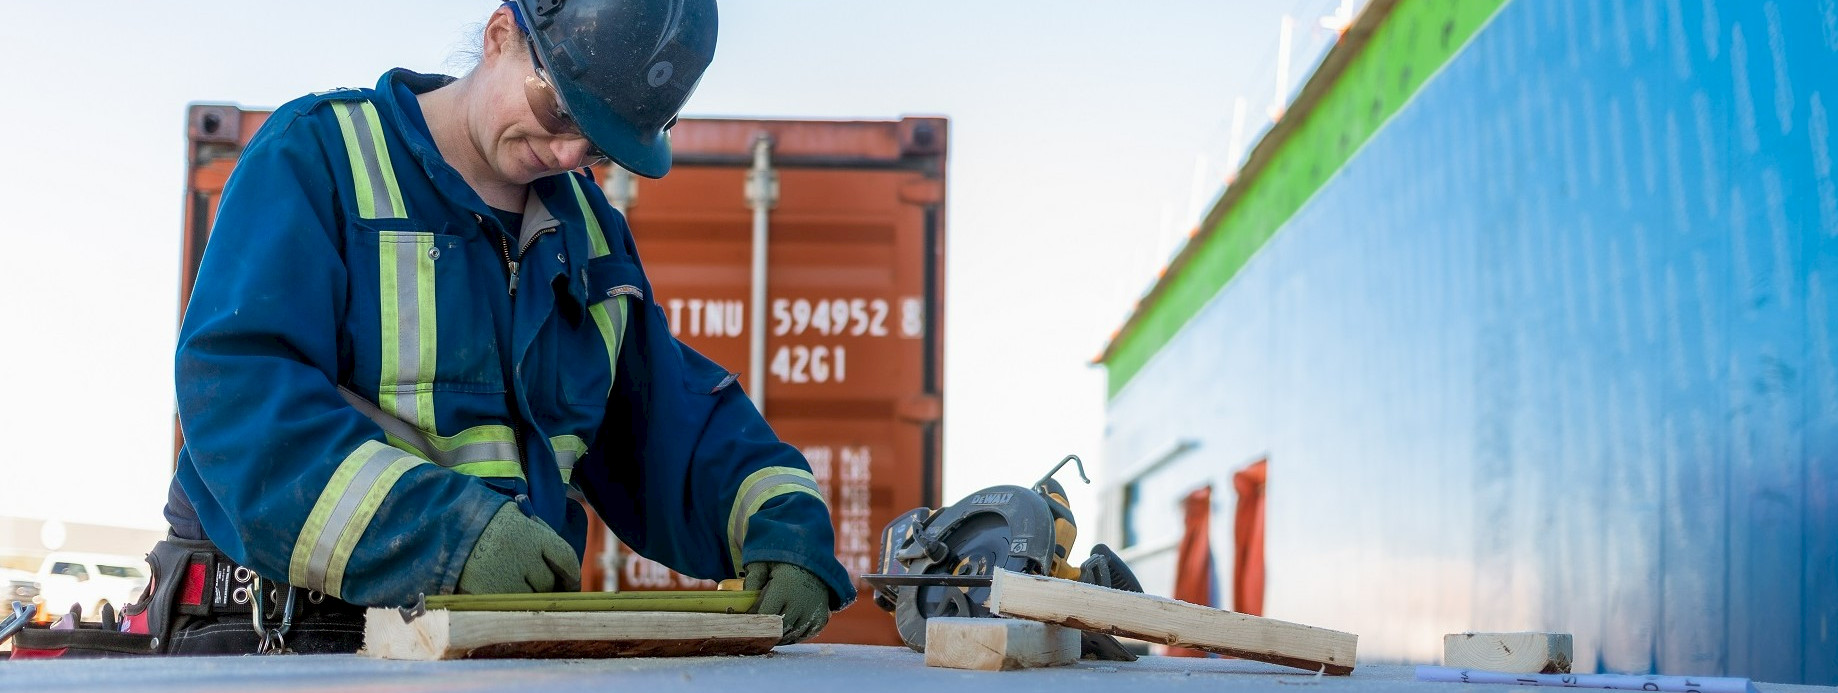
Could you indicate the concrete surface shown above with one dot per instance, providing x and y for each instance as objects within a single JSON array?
[{"x": 801, "y": 668}]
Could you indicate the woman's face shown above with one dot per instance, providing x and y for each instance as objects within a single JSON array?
[{"x": 507, "y": 129}]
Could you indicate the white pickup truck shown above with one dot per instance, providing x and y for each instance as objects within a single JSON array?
[
  {"x": 89, "y": 581},
  {"x": 16, "y": 586}
]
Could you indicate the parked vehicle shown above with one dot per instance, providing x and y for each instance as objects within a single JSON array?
[
  {"x": 90, "y": 581},
  {"x": 16, "y": 586}
]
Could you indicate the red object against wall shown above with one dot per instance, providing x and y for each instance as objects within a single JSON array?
[
  {"x": 1193, "y": 573},
  {"x": 1248, "y": 536}
]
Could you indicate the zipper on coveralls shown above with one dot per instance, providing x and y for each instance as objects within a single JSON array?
[
  {"x": 504, "y": 248},
  {"x": 504, "y": 245}
]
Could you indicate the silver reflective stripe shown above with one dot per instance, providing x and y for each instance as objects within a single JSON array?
[
  {"x": 568, "y": 452},
  {"x": 407, "y": 258},
  {"x": 480, "y": 451},
  {"x": 351, "y": 497},
  {"x": 373, "y": 164},
  {"x": 564, "y": 460}
]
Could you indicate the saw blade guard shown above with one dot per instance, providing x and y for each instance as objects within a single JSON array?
[{"x": 1006, "y": 527}]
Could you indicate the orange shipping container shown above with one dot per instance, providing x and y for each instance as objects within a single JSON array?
[{"x": 846, "y": 353}]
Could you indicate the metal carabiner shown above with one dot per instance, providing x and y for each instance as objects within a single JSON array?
[
  {"x": 22, "y": 614},
  {"x": 274, "y": 641}
]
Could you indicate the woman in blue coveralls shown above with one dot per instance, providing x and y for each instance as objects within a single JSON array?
[{"x": 418, "y": 328}]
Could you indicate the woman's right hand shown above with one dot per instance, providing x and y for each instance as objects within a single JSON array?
[{"x": 519, "y": 554}]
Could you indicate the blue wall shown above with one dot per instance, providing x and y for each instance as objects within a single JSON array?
[{"x": 1555, "y": 351}]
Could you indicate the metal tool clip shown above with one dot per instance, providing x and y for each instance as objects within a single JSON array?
[
  {"x": 22, "y": 614},
  {"x": 274, "y": 640},
  {"x": 416, "y": 610}
]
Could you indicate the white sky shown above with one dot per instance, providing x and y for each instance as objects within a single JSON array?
[{"x": 1087, "y": 138}]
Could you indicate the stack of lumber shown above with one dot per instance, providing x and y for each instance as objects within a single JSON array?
[{"x": 1086, "y": 607}]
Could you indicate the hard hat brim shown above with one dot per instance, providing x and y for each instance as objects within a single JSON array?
[{"x": 644, "y": 153}]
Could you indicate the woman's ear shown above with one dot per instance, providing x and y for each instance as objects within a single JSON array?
[{"x": 501, "y": 35}]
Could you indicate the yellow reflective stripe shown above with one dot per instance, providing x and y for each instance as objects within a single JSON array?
[
  {"x": 384, "y": 162},
  {"x": 497, "y": 469},
  {"x": 595, "y": 237},
  {"x": 494, "y": 435},
  {"x": 761, "y": 486},
  {"x": 568, "y": 451},
  {"x": 483, "y": 465},
  {"x": 424, "y": 299},
  {"x": 411, "y": 446},
  {"x": 405, "y": 265},
  {"x": 405, "y": 277},
  {"x": 488, "y": 451},
  {"x": 373, "y": 176},
  {"x": 612, "y": 333},
  {"x": 488, "y": 443},
  {"x": 388, "y": 289},
  {"x": 343, "y": 512},
  {"x": 360, "y": 173}
]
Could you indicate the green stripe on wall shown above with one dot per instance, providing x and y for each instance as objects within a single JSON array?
[{"x": 1409, "y": 45}]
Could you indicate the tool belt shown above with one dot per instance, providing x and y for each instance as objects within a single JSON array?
[{"x": 201, "y": 602}]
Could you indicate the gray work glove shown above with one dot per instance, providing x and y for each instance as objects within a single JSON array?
[
  {"x": 793, "y": 593},
  {"x": 516, "y": 553}
]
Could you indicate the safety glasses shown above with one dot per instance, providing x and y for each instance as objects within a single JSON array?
[{"x": 550, "y": 112}]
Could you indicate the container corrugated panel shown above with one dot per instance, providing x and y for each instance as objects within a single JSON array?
[
  {"x": 1555, "y": 350},
  {"x": 855, "y": 300},
  {"x": 852, "y": 367}
]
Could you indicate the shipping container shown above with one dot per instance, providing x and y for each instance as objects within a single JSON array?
[{"x": 834, "y": 230}]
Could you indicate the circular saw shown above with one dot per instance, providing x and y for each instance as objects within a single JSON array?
[{"x": 940, "y": 562}]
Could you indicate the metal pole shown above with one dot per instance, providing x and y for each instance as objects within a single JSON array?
[
  {"x": 621, "y": 188},
  {"x": 762, "y": 194}
]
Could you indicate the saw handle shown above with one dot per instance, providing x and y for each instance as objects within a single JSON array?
[
  {"x": 1062, "y": 463},
  {"x": 1065, "y": 531}
]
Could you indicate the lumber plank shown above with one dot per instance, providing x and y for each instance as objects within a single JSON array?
[
  {"x": 1171, "y": 622},
  {"x": 443, "y": 634},
  {"x": 1517, "y": 653},
  {"x": 717, "y": 602},
  {"x": 997, "y": 644}
]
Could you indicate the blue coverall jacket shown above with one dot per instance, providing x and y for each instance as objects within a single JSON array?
[{"x": 370, "y": 367}]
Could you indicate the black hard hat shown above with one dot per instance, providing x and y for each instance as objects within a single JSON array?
[{"x": 623, "y": 68}]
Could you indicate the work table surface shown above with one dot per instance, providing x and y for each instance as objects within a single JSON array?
[{"x": 795, "y": 668}]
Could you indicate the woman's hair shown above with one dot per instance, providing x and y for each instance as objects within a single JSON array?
[{"x": 469, "y": 50}]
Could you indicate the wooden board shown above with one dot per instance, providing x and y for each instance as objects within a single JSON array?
[
  {"x": 442, "y": 634},
  {"x": 996, "y": 644},
  {"x": 701, "y": 601},
  {"x": 1170, "y": 622},
  {"x": 1517, "y": 653}
]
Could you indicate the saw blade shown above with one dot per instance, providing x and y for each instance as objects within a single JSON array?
[{"x": 912, "y": 580}]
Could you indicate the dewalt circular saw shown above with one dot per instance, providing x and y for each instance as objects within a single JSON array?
[{"x": 939, "y": 562}]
